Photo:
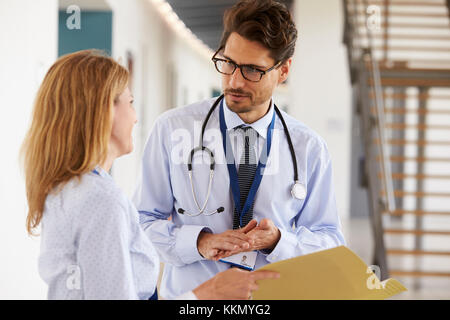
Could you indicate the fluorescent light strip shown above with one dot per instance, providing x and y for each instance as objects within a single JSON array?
[{"x": 178, "y": 26}]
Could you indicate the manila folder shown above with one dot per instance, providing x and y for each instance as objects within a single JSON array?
[{"x": 336, "y": 273}]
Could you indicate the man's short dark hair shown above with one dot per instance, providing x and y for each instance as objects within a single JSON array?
[{"x": 266, "y": 21}]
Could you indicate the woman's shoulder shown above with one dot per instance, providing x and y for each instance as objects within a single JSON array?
[
  {"x": 91, "y": 184},
  {"x": 87, "y": 193},
  {"x": 97, "y": 204}
]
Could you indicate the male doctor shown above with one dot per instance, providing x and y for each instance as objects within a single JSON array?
[{"x": 254, "y": 57}]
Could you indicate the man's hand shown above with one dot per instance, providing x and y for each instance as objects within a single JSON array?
[
  {"x": 216, "y": 246},
  {"x": 232, "y": 284},
  {"x": 264, "y": 236},
  {"x": 251, "y": 237}
]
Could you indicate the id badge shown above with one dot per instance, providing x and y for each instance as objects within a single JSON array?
[{"x": 244, "y": 260}]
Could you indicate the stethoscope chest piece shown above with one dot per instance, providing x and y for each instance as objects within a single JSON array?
[{"x": 298, "y": 191}]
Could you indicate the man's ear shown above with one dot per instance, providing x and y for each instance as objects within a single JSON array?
[{"x": 285, "y": 67}]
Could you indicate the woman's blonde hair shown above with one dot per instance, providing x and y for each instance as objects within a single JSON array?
[{"x": 71, "y": 124}]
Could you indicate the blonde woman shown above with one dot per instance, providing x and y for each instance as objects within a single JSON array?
[{"x": 92, "y": 245}]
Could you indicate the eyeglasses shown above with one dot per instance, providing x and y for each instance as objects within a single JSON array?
[{"x": 249, "y": 72}]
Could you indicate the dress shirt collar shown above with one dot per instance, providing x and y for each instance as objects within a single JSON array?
[
  {"x": 232, "y": 120},
  {"x": 101, "y": 172}
]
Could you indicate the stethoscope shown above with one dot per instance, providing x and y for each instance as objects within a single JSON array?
[{"x": 298, "y": 191}]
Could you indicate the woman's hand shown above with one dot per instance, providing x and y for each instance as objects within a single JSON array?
[{"x": 232, "y": 284}]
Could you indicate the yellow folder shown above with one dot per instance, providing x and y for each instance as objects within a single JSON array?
[{"x": 336, "y": 273}]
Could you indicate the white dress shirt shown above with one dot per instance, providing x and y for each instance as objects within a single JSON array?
[{"x": 306, "y": 225}]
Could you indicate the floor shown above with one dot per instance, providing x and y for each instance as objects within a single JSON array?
[{"x": 358, "y": 236}]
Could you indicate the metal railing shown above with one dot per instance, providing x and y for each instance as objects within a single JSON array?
[
  {"x": 364, "y": 68},
  {"x": 381, "y": 122}
]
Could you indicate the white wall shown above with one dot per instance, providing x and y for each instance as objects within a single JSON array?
[
  {"x": 138, "y": 27},
  {"x": 28, "y": 37},
  {"x": 138, "y": 30},
  {"x": 320, "y": 85}
]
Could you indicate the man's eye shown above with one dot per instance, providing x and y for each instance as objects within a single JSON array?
[{"x": 251, "y": 70}]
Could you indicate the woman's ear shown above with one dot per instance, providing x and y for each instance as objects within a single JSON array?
[{"x": 285, "y": 67}]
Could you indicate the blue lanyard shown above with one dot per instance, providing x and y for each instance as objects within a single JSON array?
[{"x": 232, "y": 166}]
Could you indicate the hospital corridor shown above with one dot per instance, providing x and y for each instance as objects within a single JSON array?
[{"x": 358, "y": 126}]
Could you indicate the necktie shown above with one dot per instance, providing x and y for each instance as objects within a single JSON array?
[{"x": 246, "y": 173}]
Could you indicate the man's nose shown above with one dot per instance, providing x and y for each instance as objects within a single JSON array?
[{"x": 236, "y": 80}]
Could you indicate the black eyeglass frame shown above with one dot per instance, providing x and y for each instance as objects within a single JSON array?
[{"x": 240, "y": 66}]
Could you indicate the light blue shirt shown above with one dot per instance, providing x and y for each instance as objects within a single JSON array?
[
  {"x": 92, "y": 244},
  {"x": 306, "y": 225}
]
